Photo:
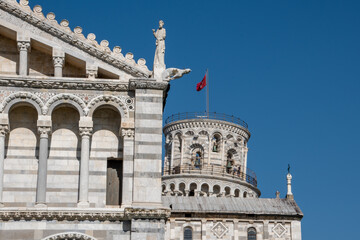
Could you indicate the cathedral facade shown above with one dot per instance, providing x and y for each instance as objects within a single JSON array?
[{"x": 81, "y": 129}]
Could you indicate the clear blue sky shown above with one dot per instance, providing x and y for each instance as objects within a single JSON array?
[{"x": 289, "y": 68}]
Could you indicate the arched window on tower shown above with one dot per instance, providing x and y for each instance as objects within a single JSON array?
[
  {"x": 216, "y": 143},
  {"x": 251, "y": 234},
  {"x": 229, "y": 162},
  {"x": 197, "y": 157},
  {"x": 188, "y": 233}
]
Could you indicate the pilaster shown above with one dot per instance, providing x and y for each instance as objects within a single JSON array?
[
  {"x": 4, "y": 129},
  {"x": 128, "y": 135}
]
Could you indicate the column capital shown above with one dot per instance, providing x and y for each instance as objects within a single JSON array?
[
  {"x": 91, "y": 71},
  {"x": 23, "y": 46},
  {"x": 85, "y": 131},
  {"x": 58, "y": 61},
  {"x": 4, "y": 129},
  {"x": 128, "y": 132},
  {"x": 44, "y": 131}
]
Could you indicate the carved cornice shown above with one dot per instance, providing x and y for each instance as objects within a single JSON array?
[
  {"x": 76, "y": 38},
  {"x": 80, "y": 84},
  {"x": 147, "y": 84},
  {"x": 82, "y": 215},
  {"x": 206, "y": 124},
  {"x": 69, "y": 235}
]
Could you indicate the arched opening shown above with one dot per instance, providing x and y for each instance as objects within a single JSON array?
[
  {"x": 182, "y": 188},
  {"x": 251, "y": 235},
  {"x": 21, "y": 155},
  {"x": 193, "y": 187},
  {"x": 163, "y": 188},
  {"x": 229, "y": 162},
  {"x": 106, "y": 156},
  {"x": 172, "y": 189},
  {"x": 216, "y": 190},
  {"x": 245, "y": 195},
  {"x": 227, "y": 191},
  {"x": 197, "y": 157},
  {"x": 237, "y": 193},
  {"x": 64, "y": 157},
  {"x": 188, "y": 233},
  {"x": 216, "y": 142},
  {"x": 204, "y": 189}
]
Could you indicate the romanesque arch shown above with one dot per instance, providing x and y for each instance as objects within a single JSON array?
[
  {"x": 21, "y": 97},
  {"x": 69, "y": 236},
  {"x": 65, "y": 98},
  {"x": 108, "y": 100}
]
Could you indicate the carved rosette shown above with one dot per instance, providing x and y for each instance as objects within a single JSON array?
[
  {"x": 58, "y": 61},
  {"x": 4, "y": 129},
  {"x": 44, "y": 131},
  {"x": 85, "y": 131},
  {"x": 128, "y": 133},
  {"x": 23, "y": 45}
]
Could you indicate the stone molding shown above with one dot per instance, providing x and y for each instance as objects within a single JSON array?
[
  {"x": 128, "y": 133},
  {"x": 75, "y": 38},
  {"x": 83, "y": 215},
  {"x": 147, "y": 84},
  {"x": 85, "y": 131},
  {"x": 206, "y": 124},
  {"x": 69, "y": 235},
  {"x": 80, "y": 84}
]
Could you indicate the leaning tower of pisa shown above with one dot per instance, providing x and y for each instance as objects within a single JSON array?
[{"x": 206, "y": 156}]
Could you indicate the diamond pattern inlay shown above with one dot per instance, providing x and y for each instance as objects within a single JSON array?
[
  {"x": 219, "y": 229},
  {"x": 279, "y": 229}
]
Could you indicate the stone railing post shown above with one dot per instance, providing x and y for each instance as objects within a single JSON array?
[
  {"x": 4, "y": 129},
  {"x": 128, "y": 135},
  {"x": 23, "y": 43},
  {"x": 85, "y": 130},
  {"x": 58, "y": 60},
  {"x": 44, "y": 131}
]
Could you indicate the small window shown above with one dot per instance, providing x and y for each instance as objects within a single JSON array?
[
  {"x": 188, "y": 233},
  {"x": 251, "y": 234}
]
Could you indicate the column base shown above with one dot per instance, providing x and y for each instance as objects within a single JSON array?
[
  {"x": 83, "y": 204},
  {"x": 40, "y": 205}
]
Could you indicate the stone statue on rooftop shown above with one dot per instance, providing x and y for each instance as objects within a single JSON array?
[
  {"x": 174, "y": 73},
  {"x": 159, "y": 59}
]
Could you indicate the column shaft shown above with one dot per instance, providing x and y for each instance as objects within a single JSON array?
[
  {"x": 3, "y": 131},
  {"x": 128, "y": 167},
  {"x": 42, "y": 166},
  {"x": 23, "y": 47},
  {"x": 84, "y": 167}
]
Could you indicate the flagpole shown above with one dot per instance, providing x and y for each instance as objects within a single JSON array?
[{"x": 207, "y": 93}]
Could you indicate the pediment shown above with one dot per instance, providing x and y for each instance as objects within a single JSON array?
[{"x": 48, "y": 35}]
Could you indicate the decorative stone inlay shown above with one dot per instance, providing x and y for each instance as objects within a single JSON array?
[
  {"x": 279, "y": 230},
  {"x": 128, "y": 132},
  {"x": 76, "y": 38},
  {"x": 21, "y": 95},
  {"x": 69, "y": 236},
  {"x": 219, "y": 229},
  {"x": 65, "y": 96}
]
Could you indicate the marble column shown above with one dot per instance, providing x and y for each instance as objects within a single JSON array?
[
  {"x": 85, "y": 133},
  {"x": 4, "y": 129},
  {"x": 128, "y": 135},
  {"x": 23, "y": 44},
  {"x": 58, "y": 60},
  {"x": 44, "y": 132}
]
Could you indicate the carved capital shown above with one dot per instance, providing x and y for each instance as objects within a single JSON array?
[
  {"x": 85, "y": 131},
  {"x": 23, "y": 45},
  {"x": 44, "y": 131},
  {"x": 59, "y": 61},
  {"x": 4, "y": 129},
  {"x": 91, "y": 71},
  {"x": 128, "y": 132}
]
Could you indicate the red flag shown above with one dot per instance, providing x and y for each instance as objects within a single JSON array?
[{"x": 201, "y": 84}]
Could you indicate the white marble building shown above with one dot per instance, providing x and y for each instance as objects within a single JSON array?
[{"x": 81, "y": 146}]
